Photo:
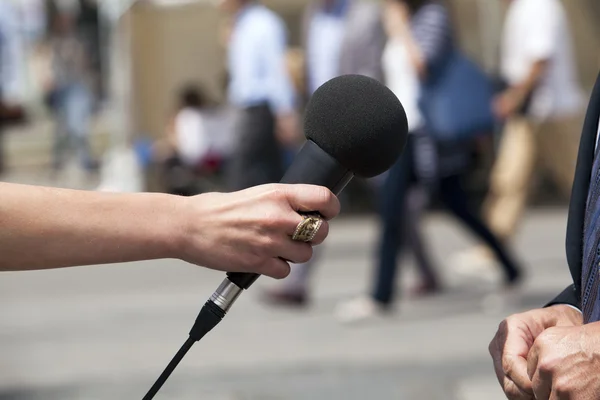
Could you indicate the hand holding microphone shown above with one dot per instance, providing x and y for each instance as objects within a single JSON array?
[{"x": 251, "y": 230}]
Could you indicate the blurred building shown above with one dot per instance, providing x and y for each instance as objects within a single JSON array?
[
  {"x": 158, "y": 46},
  {"x": 178, "y": 41}
]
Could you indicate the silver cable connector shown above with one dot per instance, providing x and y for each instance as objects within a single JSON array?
[{"x": 226, "y": 295}]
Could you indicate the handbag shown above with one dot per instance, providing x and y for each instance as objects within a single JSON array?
[{"x": 456, "y": 100}]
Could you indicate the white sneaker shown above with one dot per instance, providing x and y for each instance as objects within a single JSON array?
[
  {"x": 476, "y": 263},
  {"x": 357, "y": 310}
]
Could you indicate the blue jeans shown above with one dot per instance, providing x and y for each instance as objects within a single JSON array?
[
  {"x": 393, "y": 213},
  {"x": 74, "y": 106}
]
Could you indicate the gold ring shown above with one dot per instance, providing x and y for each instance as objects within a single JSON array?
[{"x": 308, "y": 228}]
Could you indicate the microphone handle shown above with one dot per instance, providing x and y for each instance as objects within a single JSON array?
[{"x": 311, "y": 166}]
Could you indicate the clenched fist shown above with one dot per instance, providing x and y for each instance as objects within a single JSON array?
[
  {"x": 564, "y": 363},
  {"x": 515, "y": 339}
]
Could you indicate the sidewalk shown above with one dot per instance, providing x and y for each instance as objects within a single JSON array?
[{"x": 107, "y": 332}]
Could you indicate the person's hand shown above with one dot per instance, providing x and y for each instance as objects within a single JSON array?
[
  {"x": 508, "y": 103},
  {"x": 251, "y": 230},
  {"x": 287, "y": 130},
  {"x": 516, "y": 336},
  {"x": 564, "y": 363}
]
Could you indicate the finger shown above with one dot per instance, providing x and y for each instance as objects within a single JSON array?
[
  {"x": 275, "y": 268},
  {"x": 496, "y": 353},
  {"x": 513, "y": 392},
  {"x": 555, "y": 396},
  {"x": 532, "y": 360},
  {"x": 515, "y": 369},
  {"x": 310, "y": 198},
  {"x": 541, "y": 379},
  {"x": 542, "y": 385},
  {"x": 295, "y": 252},
  {"x": 321, "y": 235},
  {"x": 514, "y": 349},
  {"x": 512, "y": 389}
]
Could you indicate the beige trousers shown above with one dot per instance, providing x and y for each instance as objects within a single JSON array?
[{"x": 527, "y": 146}]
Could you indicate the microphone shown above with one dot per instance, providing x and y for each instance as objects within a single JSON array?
[{"x": 355, "y": 126}]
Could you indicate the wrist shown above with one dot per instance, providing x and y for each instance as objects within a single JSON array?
[
  {"x": 171, "y": 222},
  {"x": 194, "y": 218},
  {"x": 565, "y": 313}
]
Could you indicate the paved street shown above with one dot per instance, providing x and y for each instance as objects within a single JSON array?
[{"x": 107, "y": 332}]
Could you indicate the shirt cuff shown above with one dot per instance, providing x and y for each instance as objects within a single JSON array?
[{"x": 568, "y": 305}]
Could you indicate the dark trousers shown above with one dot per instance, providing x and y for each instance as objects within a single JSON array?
[
  {"x": 178, "y": 177},
  {"x": 2, "y": 155},
  {"x": 258, "y": 158},
  {"x": 392, "y": 213}
]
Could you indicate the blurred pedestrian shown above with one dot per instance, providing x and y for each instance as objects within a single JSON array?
[
  {"x": 340, "y": 37},
  {"x": 423, "y": 29},
  {"x": 10, "y": 71},
  {"x": 186, "y": 145},
  {"x": 90, "y": 31},
  {"x": 70, "y": 90},
  {"x": 261, "y": 90},
  {"x": 402, "y": 77},
  {"x": 542, "y": 108}
]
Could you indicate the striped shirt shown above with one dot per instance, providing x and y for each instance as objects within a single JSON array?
[
  {"x": 432, "y": 31},
  {"x": 598, "y": 136}
]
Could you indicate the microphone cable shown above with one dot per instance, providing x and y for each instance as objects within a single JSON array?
[
  {"x": 211, "y": 315},
  {"x": 169, "y": 370}
]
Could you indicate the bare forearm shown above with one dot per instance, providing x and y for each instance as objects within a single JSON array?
[
  {"x": 537, "y": 70},
  {"x": 43, "y": 228},
  {"x": 417, "y": 58}
]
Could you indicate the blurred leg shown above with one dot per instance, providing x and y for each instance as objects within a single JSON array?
[
  {"x": 257, "y": 158},
  {"x": 454, "y": 196},
  {"x": 511, "y": 178},
  {"x": 392, "y": 214},
  {"x": 78, "y": 118},
  {"x": 559, "y": 143},
  {"x": 61, "y": 134},
  {"x": 416, "y": 203}
]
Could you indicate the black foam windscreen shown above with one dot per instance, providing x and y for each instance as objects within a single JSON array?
[{"x": 358, "y": 121}]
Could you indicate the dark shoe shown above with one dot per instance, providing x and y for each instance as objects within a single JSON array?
[
  {"x": 285, "y": 298},
  {"x": 515, "y": 279},
  {"x": 91, "y": 166},
  {"x": 425, "y": 289}
]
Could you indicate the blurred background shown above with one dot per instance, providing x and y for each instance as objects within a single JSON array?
[{"x": 130, "y": 96}]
